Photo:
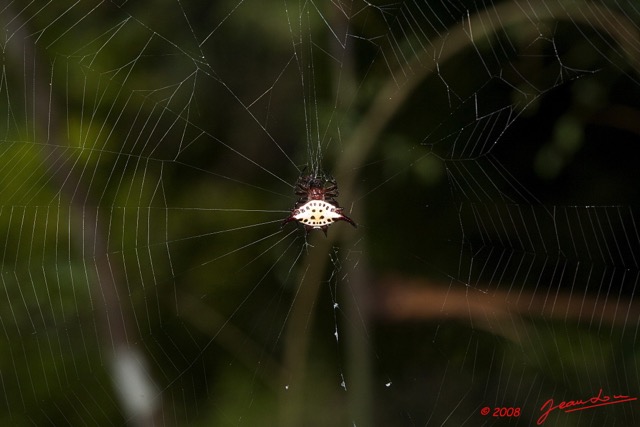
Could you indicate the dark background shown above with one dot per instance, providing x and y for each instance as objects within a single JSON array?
[{"x": 149, "y": 154}]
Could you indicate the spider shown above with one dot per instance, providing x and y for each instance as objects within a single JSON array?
[{"x": 317, "y": 206}]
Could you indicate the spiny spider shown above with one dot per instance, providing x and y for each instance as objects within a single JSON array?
[{"x": 317, "y": 206}]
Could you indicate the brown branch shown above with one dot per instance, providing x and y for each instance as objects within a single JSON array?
[{"x": 402, "y": 299}]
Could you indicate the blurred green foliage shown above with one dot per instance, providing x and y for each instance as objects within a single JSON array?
[{"x": 180, "y": 124}]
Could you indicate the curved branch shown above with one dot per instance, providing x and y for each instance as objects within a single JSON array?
[
  {"x": 390, "y": 98},
  {"x": 480, "y": 26}
]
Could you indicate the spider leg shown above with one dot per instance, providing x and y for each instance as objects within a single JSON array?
[
  {"x": 332, "y": 190},
  {"x": 328, "y": 195}
]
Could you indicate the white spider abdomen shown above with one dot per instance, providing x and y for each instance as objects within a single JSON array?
[{"x": 317, "y": 213}]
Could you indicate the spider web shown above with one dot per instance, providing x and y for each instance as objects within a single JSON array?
[{"x": 485, "y": 149}]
